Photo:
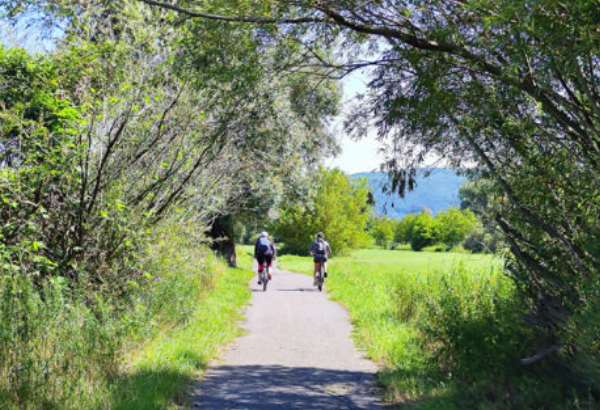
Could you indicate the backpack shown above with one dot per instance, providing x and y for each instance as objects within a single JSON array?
[
  {"x": 264, "y": 246},
  {"x": 320, "y": 248}
]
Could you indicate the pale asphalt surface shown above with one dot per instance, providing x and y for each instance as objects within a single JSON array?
[{"x": 296, "y": 354}]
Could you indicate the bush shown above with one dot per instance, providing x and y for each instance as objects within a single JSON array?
[
  {"x": 48, "y": 228},
  {"x": 423, "y": 231},
  {"x": 56, "y": 350},
  {"x": 179, "y": 269},
  {"x": 481, "y": 241},
  {"x": 382, "y": 230},
  {"x": 453, "y": 226},
  {"x": 473, "y": 323},
  {"x": 403, "y": 229}
]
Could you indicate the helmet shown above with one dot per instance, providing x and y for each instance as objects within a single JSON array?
[
  {"x": 320, "y": 235},
  {"x": 264, "y": 234}
]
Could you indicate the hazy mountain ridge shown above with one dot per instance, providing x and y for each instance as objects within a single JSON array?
[{"x": 437, "y": 191}]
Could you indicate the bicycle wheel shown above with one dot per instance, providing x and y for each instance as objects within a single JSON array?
[
  {"x": 265, "y": 280},
  {"x": 321, "y": 278}
]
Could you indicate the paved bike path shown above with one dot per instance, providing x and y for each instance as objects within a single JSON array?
[{"x": 297, "y": 354}]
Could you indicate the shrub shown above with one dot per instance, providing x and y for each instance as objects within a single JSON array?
[
  {"x": 179, "y": 268},
  {"x": 423, "y": 231},
  {"x": 473, "y": 323},
  {"x": 382, "y": 230},
  {"x": 481, "y": 241},
  {"x": 453, "y": 226},
  {"x": 62, "y": 342},
  {"x": 55, "y": 348},
  {"x": 403, "y": 229},
  {"x": 48, "y": 228}
]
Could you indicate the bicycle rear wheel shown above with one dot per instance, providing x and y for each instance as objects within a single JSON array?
[
  {"x": 321, "y": 278},
  {"x": 265, "y": 280}
]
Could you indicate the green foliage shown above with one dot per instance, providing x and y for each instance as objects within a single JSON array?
[
  {"x": 453, "y": 226},
  {"x": 480, "y": 195},
  {"x": 178, "y": 267},
  {"x": 46, "y": 222},
  {"x": 480, "y": 240},
  {"x": 423, "y": 231},
  {"x": 99, "y": 142},
  {"x": 534, "y": 97},
  {"x": 472, "y": 322},
  {"x": 337, "y": 207},
  {"x": 382, "y": 230},
  {"x": 403, "y": 229},
  {"x": 37, "y": 167},
  {"x": 62, "y": 349},
  {"x": 55, "y": 349},
  {"x": 160, "y": 374}
]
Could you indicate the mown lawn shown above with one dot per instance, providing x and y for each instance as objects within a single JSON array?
[{"x": 390, "y": 295}]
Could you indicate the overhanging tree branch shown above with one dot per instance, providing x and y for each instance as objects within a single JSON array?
[{"x": 233, "y": 19}]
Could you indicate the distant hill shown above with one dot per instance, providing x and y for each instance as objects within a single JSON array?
[{"x": 437, "y": 192}]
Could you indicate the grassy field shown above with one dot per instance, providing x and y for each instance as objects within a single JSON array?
[
  {"x": 380, "y": 261},
  {"x": 423, "y": 316}
]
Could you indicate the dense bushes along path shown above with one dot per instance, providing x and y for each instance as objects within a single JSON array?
[{"x": 297, "y": 354}]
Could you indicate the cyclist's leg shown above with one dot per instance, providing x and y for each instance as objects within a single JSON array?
[
  {"x": 268, "y": 263},
  {"x": 261, "y": 265}
]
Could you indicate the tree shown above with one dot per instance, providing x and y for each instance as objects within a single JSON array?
[
  {"x": 403, "y": 231},
  {"x": 423, "y": 231},
  {"x": 480, "y": 195},
  {"x": 453, "y": 226},
  {"x": 382, "y": 231},
  {"x": 38, "y": 162},
  {"x": 505, "y": 85},
  {"x": 337, "y": 207}
]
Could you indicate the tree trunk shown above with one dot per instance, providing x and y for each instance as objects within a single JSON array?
[{"x": 221, "y": 232}]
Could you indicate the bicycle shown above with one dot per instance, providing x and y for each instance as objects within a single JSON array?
[
  {"x": 264, "y": 277},
  {"x": 321, "y": 276}
]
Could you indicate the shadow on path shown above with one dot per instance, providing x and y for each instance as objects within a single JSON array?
[
  {"x": 278, "y": 387},
  {"x": 299, "y": 290}
]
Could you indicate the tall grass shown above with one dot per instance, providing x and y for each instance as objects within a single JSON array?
[
  {"x": 55, "y": 350},
  {"x": 63, "y": 346}
]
